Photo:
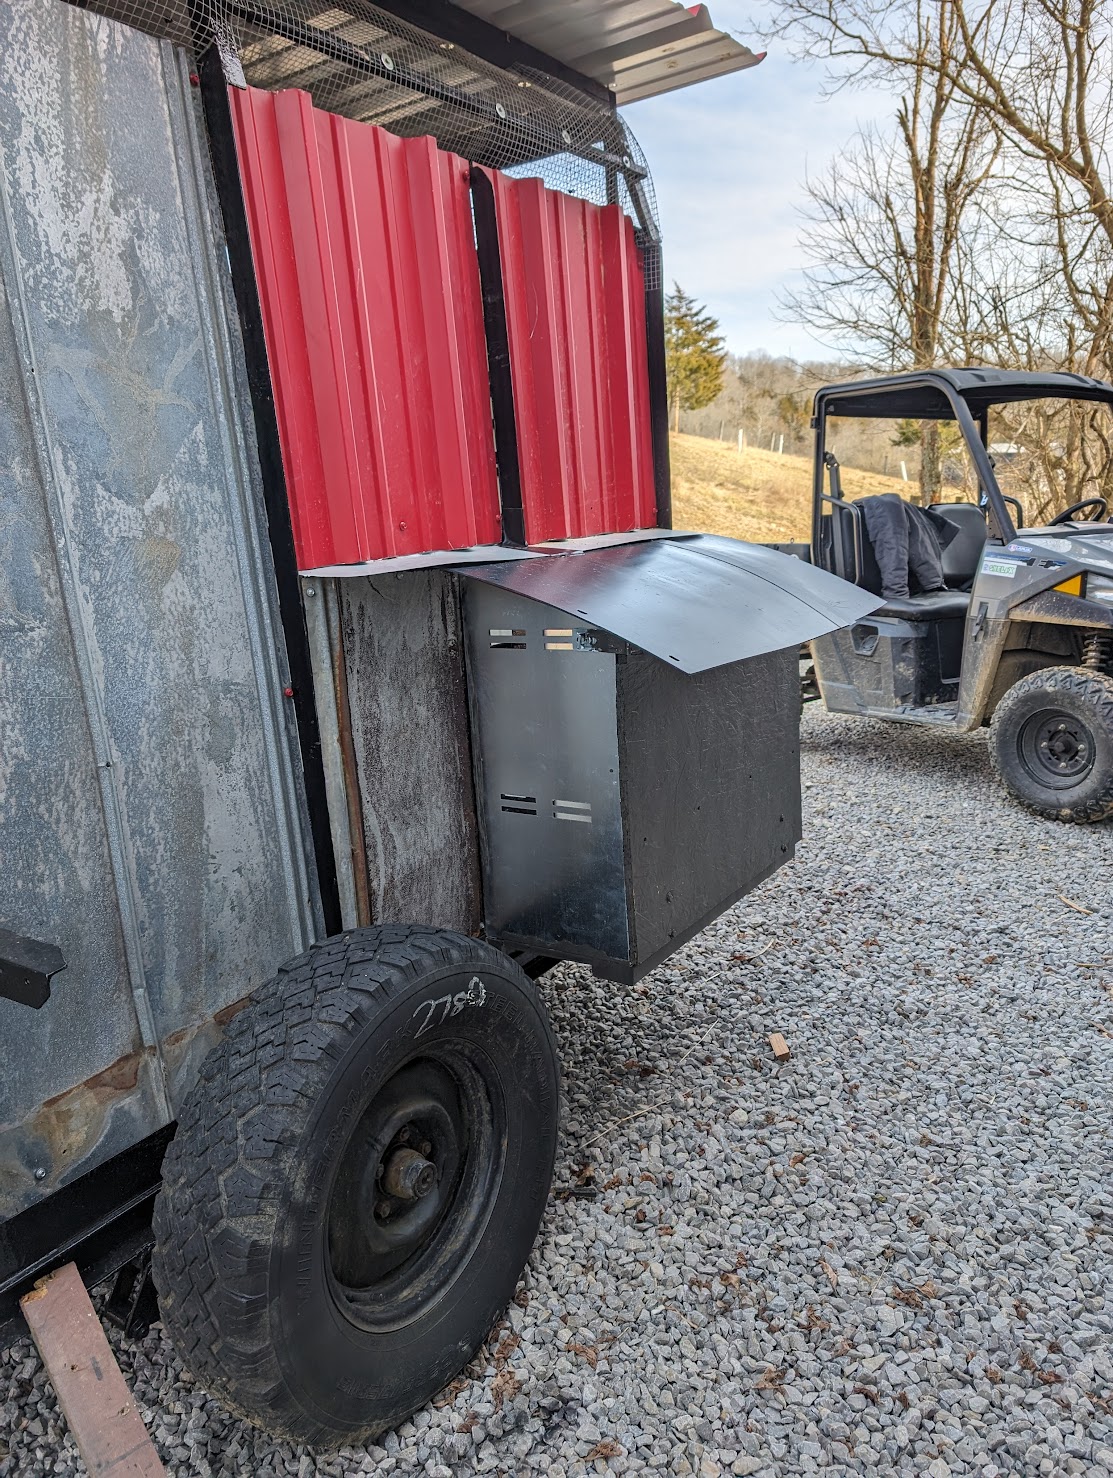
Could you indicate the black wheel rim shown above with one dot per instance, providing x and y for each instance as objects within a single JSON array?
[
  {"x": 1056, "y": 748},
  {"x": 415, "y": 1187}
]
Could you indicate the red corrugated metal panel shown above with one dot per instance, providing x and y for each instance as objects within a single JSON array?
[
  {"x": 575, "y": 309},
  {"x": 365, "y": 257}
]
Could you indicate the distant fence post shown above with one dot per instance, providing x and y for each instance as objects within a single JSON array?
[
  {"x": 904, "y": 471},
  {"x": 781, "y": 446},
  {"x": 741, "y": 440}
]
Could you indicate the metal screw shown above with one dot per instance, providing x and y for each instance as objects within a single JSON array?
[
  {"x": 383, "y": 1209},
  {"x": 40, "y": 1173},
  {"x": 404, "y": 1135},
  {"x": 500, "y": 110},
  {"x": 311, "y": 590},
  {"x": 426, "y": 1147}
]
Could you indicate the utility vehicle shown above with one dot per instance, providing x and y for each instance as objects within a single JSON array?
[{"x": 1020, "y": 639}]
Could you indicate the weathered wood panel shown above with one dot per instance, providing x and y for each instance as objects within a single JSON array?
[{"x": 407, "y": 699}]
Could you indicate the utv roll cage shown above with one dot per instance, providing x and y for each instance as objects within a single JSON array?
[{"x": 961, "y": 395}]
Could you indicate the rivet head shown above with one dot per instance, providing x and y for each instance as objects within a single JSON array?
[{"x": 387, "y": 61}]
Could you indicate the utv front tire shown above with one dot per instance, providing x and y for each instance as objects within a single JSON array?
[
  {"x": 1051, "y": 743},
  {"x": 356, "y": 1181}
]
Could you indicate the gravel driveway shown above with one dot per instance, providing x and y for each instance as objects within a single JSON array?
[{"x": 891, "y": 1252}]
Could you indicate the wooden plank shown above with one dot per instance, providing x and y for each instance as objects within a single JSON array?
[
  {"x": 92, "y": 1392},
  {"x": 407, "y": 698},
  {"x": 780, "y": 1047}
]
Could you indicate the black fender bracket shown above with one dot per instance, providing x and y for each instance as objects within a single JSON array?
[{"x": 26, "y": 969}]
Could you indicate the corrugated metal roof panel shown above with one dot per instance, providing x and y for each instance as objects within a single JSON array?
[
  {"x": 638, "y": 48},
  {"x": 575, "y": 313},
  {"x": 369, "y": 283}
]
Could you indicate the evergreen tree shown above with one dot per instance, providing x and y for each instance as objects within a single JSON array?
[{"x": 694, "y": 354}]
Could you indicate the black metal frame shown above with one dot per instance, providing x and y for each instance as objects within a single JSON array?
[
  {"x": 222, "y": 147},
  {"x": 450, "y": 23},
  {"x": 542, "y": 141},
  {"x": 100, "y": 1222}
]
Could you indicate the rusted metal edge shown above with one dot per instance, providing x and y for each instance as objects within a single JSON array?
[{"x": 98, "y": 1406}]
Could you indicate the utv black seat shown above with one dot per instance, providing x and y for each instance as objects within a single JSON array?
[
  {"x": 962, "y": 552},
  {"x": 934, "y": 606}
]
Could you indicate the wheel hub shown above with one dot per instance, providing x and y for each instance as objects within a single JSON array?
[
  {"x": 407, "y": 1175},
  {"x": 412, "y": 1189},
  {"x": 1057, "y": 749}
]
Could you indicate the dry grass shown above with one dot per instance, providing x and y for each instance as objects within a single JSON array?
[{"x": 753, "y": 495}]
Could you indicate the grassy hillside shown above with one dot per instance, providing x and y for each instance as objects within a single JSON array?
[{"x": 755, "y": 494}]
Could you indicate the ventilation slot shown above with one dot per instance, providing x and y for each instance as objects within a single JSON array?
[
  {"x": 505, "y": 637},
  {"x": 520, "y": 805},
  {"x": 572, "y": 811},
  {"x": 558, "y": 646}
]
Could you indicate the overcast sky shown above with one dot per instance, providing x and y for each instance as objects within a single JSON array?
[{"x": 728, "y": 159}]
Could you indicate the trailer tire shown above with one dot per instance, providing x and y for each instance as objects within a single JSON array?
[
  {"x": 357, "y": 1180},
  {"x": 1051, "y": 743}
]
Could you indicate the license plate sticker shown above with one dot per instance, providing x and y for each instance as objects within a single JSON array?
[{"x": 1006, "y": 568}]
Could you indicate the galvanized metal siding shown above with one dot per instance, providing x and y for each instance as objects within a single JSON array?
[
  {"x": 149, "y": 818},
  {"x": 575, "y": 311},
  {"x": 369, "y": 281}
]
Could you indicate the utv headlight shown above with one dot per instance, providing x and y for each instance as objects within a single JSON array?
[{"x": 1100, "y": 588}]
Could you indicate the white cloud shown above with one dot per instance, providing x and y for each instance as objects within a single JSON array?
[{"x": 728, "y": 160}]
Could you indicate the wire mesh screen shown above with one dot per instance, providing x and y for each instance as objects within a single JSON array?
[{"x": 364, "y": 63}]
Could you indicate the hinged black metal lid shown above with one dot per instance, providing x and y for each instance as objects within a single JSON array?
[{"x": 696, "y": 601}]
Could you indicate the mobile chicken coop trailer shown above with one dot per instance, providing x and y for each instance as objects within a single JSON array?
[{"x": 350, "y": 672}]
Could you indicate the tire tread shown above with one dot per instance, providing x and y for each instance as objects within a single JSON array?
[
  {"x": 1091, "y": 686},
  {"x": 216, "y": 1216}
]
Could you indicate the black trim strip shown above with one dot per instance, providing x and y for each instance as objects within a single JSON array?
[
  {"x": 498, "y": 357},
  {"x": 222, "y": 147},
  {"x": 658, "y": 389}
]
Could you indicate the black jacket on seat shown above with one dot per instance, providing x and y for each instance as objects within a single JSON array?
[{"x": 905, "y": 546}]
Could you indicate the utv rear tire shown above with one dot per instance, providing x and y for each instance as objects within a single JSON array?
[
  {"x": 1051, "y": 743},
  {"x": 357, "y": 1180}
]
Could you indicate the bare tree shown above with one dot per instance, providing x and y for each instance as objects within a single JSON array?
[
  {"x": 886, "y": 225},
  {"x": 1035, "y": 73}
]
